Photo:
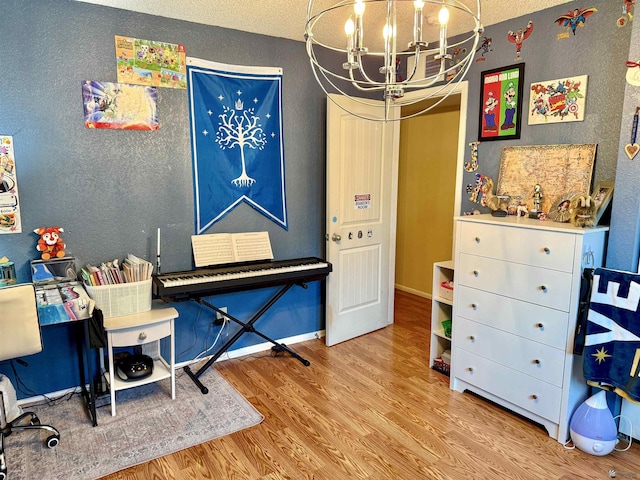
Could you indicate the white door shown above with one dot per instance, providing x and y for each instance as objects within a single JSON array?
[{"x": 362, "y": 179}]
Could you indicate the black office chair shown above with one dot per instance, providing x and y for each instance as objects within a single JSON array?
[{"x": 19, "y": 336}]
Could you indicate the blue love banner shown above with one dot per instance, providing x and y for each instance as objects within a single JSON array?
[{"x": 236, "y": 140}]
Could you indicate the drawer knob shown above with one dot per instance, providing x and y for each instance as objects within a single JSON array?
[
  {"x": 472, "y": 338},
  {"x": 470, "y": 369},
  {"x": 543, "y": 288},
  {"x": 476, "y": 273},
  {"x": 534, "y": 397},
  {"x": 540, "y": 326},
  {"x": 474, "y": 306},
  {"x": 547, "y": 250},
  {"x": 142, "y": 336},
  {"x": 477, "y": 239},
  {"x": 536, "y": 361}
]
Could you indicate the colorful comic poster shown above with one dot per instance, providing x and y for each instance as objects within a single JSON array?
[
  {"x": 9, "y": 206},
  {"x": 145, "y": 62},
  {"x": 119, "y": 106},
  {"x": 555, "y": 101}
]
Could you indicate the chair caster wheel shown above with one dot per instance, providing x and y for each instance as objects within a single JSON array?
[
  {"x": 3, "y": 474},
  {"x": 52, "y": 442}
]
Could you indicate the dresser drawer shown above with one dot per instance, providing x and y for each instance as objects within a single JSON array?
[
  {"x": 533, "y": 395},
  {"x": 141, "y": 334},
  {"x": 540, "y": 361},
  {"x": 538, "y": 323},
  {"x": 523, "y": 282},
  {"x": 554, "y": 250}
]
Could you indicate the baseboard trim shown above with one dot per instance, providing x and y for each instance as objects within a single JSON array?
[
  {"x": 240, "y": 352},
  {"x": 413, "y": 291},
  {"x": 257, "y": 348}
]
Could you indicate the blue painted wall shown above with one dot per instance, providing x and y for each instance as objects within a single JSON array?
[{"x": 110, "y": 190}]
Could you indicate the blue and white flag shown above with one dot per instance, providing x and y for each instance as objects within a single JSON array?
[
  {"x": 236, "y": 140},
  {"x": 612, "y": 343}
]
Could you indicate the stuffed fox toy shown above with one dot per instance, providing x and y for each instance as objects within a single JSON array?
[{"x": 50, "y": 243}]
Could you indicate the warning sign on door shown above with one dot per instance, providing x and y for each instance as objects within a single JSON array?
[{"x": 363, "y": 201}]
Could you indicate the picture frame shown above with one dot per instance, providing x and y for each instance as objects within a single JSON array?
[
  {"x": 562, "y": 100},
  {"x": 558, "y": 169},
  {"x": 601, "y": 196},
  {"x": 501, "y": 103}
]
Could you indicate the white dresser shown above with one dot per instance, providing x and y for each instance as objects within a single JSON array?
[{"x": 515, "y": 306}]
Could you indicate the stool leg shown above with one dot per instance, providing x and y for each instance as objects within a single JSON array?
[{"x": 112, "y": 387}]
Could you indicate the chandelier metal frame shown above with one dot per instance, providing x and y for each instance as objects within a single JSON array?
[{"x": 353, "y": 74}]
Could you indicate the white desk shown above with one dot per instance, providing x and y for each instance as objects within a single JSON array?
[{"x": 138, "y": 329}]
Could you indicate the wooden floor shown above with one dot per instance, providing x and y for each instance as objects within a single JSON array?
[{"x": 371, "y": 408}]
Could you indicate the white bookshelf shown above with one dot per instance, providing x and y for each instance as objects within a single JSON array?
[{"x": 441, "y": 310}]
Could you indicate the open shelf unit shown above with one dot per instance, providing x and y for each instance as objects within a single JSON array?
[{"x": 441, "y": 310}]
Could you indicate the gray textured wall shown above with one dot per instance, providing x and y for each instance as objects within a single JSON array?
[
  {"x": 599, "y": 50},
  {"x": 624, "y": 239},
  {"x": 111, "y": 190}
]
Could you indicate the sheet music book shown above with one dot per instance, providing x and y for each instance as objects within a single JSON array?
[{"x": 219, "y": 248}]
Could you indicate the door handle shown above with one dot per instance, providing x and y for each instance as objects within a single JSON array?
[{"x": 335, "y": 237}]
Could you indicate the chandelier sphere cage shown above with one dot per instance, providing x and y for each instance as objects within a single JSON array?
[{"x": 374, "y": 53}]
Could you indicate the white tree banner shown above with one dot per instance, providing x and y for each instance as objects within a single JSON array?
[{"x": 236, "y": 140}]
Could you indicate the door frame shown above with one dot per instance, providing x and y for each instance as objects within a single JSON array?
[{"x": 462, "y": 89}]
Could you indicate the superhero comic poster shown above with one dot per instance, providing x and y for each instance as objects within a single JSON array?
[
  {"x": 558, "y": 101},
  {"x": 501, "y": 103}
]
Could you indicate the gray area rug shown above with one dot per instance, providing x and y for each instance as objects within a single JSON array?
[{"x": 148, "y": 425}]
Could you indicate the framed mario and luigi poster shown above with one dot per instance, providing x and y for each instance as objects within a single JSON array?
[{"x": 501, "y": 103}]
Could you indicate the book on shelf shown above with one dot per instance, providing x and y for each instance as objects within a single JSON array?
[{"x": 132, "y": 269}]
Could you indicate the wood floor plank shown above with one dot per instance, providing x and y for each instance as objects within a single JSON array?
[{"x": 372, "y": 409}]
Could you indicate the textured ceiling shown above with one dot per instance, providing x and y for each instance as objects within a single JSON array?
[{"x": 287, "y": 18}]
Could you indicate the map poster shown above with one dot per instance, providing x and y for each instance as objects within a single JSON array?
[
  {"x": 558, "y": 169},
  {"x": 9, "y": 206},
  {"x": 145, "y": 62}
]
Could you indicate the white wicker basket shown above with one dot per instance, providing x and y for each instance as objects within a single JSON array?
[{"x": 122, "y": 299}]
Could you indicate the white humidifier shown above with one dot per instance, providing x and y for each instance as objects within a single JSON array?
[{"x": 593, "y": 429}]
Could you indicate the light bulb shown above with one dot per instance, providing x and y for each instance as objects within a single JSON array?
[
  {"x": 419, "y": 5},
  {"x": 388, "y": 31},
  {"x": 358, "y": 7},
  {"x": 349, "y": 27},
  {"x": 443, "y": 15}
]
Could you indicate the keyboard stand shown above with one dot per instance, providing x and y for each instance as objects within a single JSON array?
[{"x": 246, "y": 327}]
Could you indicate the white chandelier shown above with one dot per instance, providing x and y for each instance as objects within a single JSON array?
[{"x": 444, "y": 65}]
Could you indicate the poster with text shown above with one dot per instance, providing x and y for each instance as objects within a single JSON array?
[
  {"x": 558, "y": 101},
  {"x": 145, "y": 62},
  {"x": 501, "y": 103},
  {"x": 9, "y": 207}
]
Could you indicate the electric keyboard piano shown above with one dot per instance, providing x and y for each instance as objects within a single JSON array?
[
  {"x": 233, "y": 277},
  {"x": 205, "y": 282}
]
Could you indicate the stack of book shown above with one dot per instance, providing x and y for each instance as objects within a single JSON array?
[{"x": 132, "y": 269}]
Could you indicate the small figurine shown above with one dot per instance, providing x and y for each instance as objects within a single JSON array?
[
  {"x": 497, "y": 203},
  {"x": 583, "y": 212},
  {"x": 537, "y": 199},
  {"x": 521, "y": 210},
  {"x": 50, "y": 243}
]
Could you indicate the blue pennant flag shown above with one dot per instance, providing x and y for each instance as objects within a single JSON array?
[{"x": 236, "y": 140}]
